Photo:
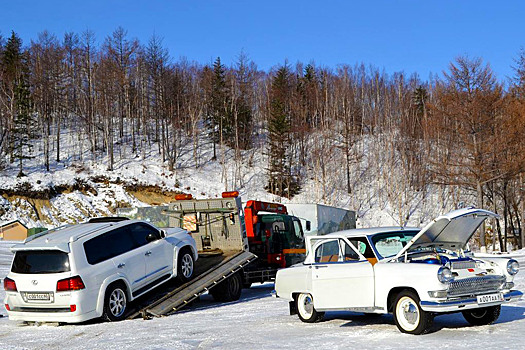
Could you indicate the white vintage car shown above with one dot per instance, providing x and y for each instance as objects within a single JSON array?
[{"x": 413, "y": 273}]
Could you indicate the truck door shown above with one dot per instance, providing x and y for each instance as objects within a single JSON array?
[
  {"x": 341, "y": 278},
  {"x": 295, "y": 251}
]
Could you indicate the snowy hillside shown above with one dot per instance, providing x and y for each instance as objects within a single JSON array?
[{"x": 73, "y": 191}]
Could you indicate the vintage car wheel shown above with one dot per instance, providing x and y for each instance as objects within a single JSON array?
[
  {"x": 408, "y": 315},
  {"x": 185, "y": 265},
  {"x": 305, "y": 308},
  {"x": 483, "y": 316}
]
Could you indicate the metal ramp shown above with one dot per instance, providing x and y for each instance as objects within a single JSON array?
[{"x": 181, "y": 296}]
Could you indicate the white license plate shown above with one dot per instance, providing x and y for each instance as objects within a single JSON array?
[
  {"x": 490, "y": 298},
  {"x": 38, "y": 296}
]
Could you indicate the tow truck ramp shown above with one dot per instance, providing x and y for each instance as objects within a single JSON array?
[{"x": 185, "y": 294}]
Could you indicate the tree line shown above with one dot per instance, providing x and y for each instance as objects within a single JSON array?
[{"x": 353, "y": 129}]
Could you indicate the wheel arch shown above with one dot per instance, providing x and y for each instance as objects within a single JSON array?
[
  {"x": 184, "y": 247},
  {"x": 176, "y": 253},
  {"x": 393, "y": 293},
  {"x": 104, "y": 286}
]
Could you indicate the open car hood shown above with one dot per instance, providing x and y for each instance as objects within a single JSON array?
[{"x": 451, "y": 231}]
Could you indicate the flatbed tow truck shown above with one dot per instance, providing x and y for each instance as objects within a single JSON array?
[{"x": 217, "y": 225}]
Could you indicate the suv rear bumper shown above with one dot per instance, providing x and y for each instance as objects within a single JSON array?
[
  {"x": 466, "y": 303},
  {"x": 57, "y": 311},
  {"x": 39, "y": 316}
]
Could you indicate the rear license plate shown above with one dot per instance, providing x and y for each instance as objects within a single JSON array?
[
  {"x": 490, "y": 298},
  {"x": 38, "y": 296}
]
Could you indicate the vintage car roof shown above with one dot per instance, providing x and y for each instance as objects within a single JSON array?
[
  {"x": 452, "y": 230},
  {"x": 370, "y": 231}
]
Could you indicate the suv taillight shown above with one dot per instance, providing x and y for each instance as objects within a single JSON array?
[
  {"x": 72, "y": 283},
  {"x": 9, "y": 285}
]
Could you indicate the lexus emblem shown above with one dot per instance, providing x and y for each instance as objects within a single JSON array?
[{"x": 35, "y": 282}]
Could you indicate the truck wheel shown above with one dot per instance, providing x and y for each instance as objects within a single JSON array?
[
  {"x": 483, "y": 316},
  {"x": 228, "y": 290},
  {"x": 408, "y": 315},
  {"x": 185, "y": 265},
  {"x": 304, "y": 304},
  {"x": 115, "y": 302}
]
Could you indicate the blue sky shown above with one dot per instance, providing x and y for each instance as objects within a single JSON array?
[{"x": 410, "y": 36}]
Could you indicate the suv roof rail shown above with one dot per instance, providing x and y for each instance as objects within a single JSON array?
[
  {"x": 107, "y": 219},
  {"x": 46, "y": 232}
]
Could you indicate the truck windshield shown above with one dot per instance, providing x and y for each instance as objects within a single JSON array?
[{"x": 40, "y": 261}]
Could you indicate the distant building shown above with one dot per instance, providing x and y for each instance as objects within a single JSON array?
[{"x": 13, "y": 231}]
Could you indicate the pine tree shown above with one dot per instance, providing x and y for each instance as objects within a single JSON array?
[
  {"x": 219, "y": 120},
  {"x": 244, "y": 115},
  {"x": 16, "y": 72},
  {"x": 280, "y": 179},
  {"x": 24, "y": 126}
]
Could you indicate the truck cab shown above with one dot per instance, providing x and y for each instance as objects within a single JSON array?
[{"x": 278, "y": 240}]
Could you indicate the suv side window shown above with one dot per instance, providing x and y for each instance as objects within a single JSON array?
[
  {"x": 108, "y": 245},
  {"x": 139, "y": 232}
]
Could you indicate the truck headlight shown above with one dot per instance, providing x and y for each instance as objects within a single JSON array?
[
  {"x": 513, "y": 267},
  {"x": 444, "y": 274}
]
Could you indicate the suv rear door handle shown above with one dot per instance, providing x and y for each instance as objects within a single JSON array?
[
  {"x": 148, "y": 253},
  {"x": 121, "y": 265}
]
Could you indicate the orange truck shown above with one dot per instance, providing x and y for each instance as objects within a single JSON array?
[{"x": 276, "y": 237}]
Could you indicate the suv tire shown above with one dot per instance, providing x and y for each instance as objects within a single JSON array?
[
  {"x": 115, "y": 302},
  {"x": 185, "y": 265}
]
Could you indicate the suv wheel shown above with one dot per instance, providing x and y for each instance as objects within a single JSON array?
[
  {"x": 115, "y": 302},
  {"x": 185, "y": 265}
]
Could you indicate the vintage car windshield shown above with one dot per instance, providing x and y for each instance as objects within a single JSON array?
[{"x": 390, "y": 243}]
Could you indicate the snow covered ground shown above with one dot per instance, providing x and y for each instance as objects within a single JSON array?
[{"x": 258, "y": 321}]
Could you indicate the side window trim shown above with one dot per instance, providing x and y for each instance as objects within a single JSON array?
[
  {"x": 361, "y": 256},
  {"x": 320, "y": 244}
]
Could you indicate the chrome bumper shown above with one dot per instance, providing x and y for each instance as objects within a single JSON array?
[{"x": 467, "y": 303}]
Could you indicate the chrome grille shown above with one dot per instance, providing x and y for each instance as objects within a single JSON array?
[
  {"x": 459, "y": 265},
  {"x": 475, "y": 285}
]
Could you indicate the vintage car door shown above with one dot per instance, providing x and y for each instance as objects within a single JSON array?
[{"x": 341, "y": 278}]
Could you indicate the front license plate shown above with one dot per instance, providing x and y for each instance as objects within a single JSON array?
[
  {"x": 38, "y": 296},
  {"x": 490, "y": 298}
]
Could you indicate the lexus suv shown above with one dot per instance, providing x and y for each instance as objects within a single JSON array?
[{"x": 95, "y": 269}]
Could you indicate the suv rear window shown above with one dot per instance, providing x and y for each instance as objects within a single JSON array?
[{"x": 40, "y": 261}]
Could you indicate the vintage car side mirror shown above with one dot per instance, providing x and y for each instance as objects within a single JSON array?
[{"x": 308, "y": 225}]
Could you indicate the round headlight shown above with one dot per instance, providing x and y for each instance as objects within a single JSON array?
[
  {"x": 444, "y": 274},
  {"x": 513, "y": 267}
]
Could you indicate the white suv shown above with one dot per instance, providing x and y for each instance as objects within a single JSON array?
[{"x": 94, "y": 269}]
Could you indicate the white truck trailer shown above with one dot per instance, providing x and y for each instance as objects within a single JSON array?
[{"x": 319, "y": 219}]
